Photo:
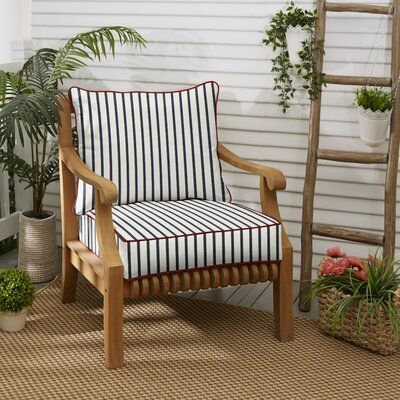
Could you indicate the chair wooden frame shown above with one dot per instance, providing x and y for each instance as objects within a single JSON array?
[{"x": 106, "y": 272}]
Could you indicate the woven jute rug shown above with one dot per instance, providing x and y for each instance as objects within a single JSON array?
[{"x": 178, "y": 348}]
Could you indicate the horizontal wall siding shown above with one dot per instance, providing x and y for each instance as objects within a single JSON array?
[{"x": 194, "y": 41}]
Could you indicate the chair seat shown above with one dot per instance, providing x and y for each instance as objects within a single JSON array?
[{"x": 164, "y": 236}]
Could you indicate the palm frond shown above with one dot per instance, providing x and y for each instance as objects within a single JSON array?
[
  {"x": 88, "y": 46},
  {"x": 37, "y": 70},
  {"x": 11, "y": 85},
  {"x": 50, "y": 167},
  {"x": 16, "y": 165},
  {"x": 50, "y": 172},
  {"x": 30, "y": 114}
]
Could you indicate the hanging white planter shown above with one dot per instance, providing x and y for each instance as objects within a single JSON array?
[
  {"x": 295, "y": 36},
  {"x": 13, "y": 322},
  {"x": 373, "y": 126}
]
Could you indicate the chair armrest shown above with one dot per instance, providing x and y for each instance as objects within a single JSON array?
[
  {"x": 108, "y": 193},
  {"x": 274, "y": 177}
]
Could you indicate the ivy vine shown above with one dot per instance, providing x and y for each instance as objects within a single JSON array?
[{"x": 306, "y": 68}]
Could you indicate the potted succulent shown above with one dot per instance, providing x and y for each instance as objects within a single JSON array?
[
  {"x": 16, "y": 295},
  {"x": 359, "y": 300},
  {"x": 291, "y": 34},
  {"x": 374, "y": 111},
  {"x": 29, "y": 109}
]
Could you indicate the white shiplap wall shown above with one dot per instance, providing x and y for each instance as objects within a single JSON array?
[{"x": 193, "y": 41}]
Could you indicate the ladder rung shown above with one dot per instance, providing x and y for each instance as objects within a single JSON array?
[
  {"x": 347, "y": 234},
  {"x": 362, "y": 8},
  {"x": 352, "y": 156},
  {"x": 357, "y": 80}
]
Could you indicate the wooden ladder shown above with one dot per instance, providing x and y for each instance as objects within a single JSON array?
[{"x": 309, "y": 228}]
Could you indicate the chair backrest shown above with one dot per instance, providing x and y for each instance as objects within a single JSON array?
[{"x": 152, "y": 145}]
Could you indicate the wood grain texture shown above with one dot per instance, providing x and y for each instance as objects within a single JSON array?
[
  {"x": 358, "y": 80},
  {"x": 108, "y": 193},
  {"x": 192, "y": 279},
  {"x": 352, "y": 156},
  {"x": 394, "y": 140},
  {"x": 113, "y": 284},
  {"x": 87, "y": 256},
  {"x": 273, "y": 272},
  {"x": 274, "y": 177},
  {"x": 347, "y": 234},
  {"x": 283, "y": 297},
  {"x": 69, "y": 221},
  {"x": 311, "y": 172},
  {"x": 357, "y": 7}
]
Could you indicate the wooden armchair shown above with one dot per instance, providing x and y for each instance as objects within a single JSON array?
[{"x": 99, "y": 259}]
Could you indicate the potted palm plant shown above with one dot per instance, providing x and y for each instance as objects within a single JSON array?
[
  {"x": 374, "y": 107},
  {"x": 29, "y": 110},
  {"x": 359, "y": 300},
  {"x": 291, "y": 35},
  {"x": 16, "y": 295}
]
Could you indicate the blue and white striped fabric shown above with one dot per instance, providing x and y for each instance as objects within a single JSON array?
[
  {"x": 153, "y": 146},
  {"x": 161, "y": 236}
]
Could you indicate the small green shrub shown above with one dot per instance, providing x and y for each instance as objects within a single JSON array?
[
  {"x": 375, "y": 99},
  {"x": 16, "y": 290}
]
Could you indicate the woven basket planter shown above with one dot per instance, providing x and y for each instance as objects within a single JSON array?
[
  {"x": 37, "y": 246},
  {"x": 375, "y": 334}
]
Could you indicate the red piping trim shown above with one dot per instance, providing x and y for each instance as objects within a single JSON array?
[
  {"x": 187, "y": 234},
  {"x": 152, "y": 92},
  {"x": 193, "y": 268},
  {"x": 142, "y": 91}
]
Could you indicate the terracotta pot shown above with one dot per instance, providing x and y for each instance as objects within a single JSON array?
[
  {"x": 373, "y": 126},
  {"x": 13, "y": 322},
  {"x": 295, "y": 36},
  {"x": 37, "y": 246}
]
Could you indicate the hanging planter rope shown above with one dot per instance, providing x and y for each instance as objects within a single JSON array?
[{"x": 374, "y": 105}]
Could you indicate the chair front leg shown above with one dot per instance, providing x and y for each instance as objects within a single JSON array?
[
  {"x": 283, "y": 285},
  {"x": 113, "y": 286},
  {"x": 113, "y": 309},
  {"x": 283, "y": 297}
]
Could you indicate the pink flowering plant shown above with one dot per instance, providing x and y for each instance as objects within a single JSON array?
[{"x": 370, "y": 284}]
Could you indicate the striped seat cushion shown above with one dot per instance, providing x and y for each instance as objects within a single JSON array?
[
  {"x": 153, "y": 146},
  {"x": 161, "y": 236}
]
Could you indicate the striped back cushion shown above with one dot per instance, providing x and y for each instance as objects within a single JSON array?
[{"x": 153, "y": 146}]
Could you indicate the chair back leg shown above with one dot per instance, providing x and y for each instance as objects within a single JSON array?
[
  {"x": 69, "y": 232},
  {"x": 283, "y": 296},
  {"x": 69, "y": 277},
  {"x": 69, "y": 221}
]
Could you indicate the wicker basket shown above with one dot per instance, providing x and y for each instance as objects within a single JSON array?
[
  {"x": 37, "y": 247},
  {"x": 375, "y": 334}
]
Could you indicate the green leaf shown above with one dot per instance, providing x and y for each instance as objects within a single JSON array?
[
  {"x": 30, "y": 115},
  {"x": 37, "y": 70},
  {"x": 16, "y": 165},
  {"x": 88, "y": 46}
]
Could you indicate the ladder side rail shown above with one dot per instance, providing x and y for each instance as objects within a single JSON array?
[
  {"x": 311, "y": 170},
  {"x": 394, "y": 139}
]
